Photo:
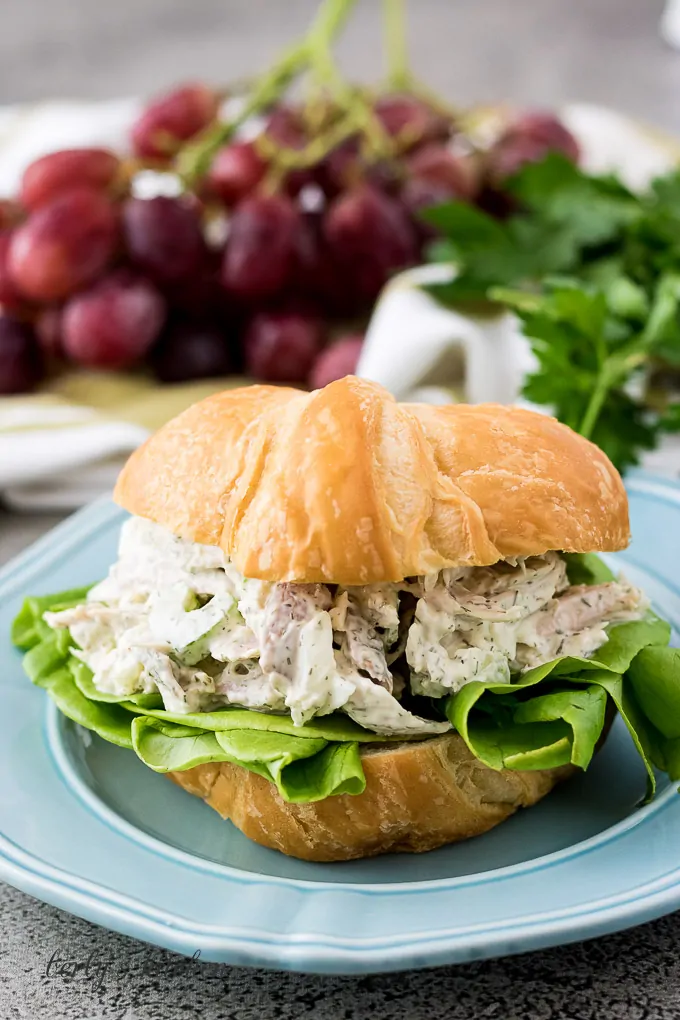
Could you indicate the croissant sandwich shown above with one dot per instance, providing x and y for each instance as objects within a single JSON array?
[{"x": 354, "y": 626}]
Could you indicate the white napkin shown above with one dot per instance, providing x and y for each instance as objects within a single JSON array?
[
  {"x": 415, "y": 347},
  {"x": 57, "y": 456},
  {"x": 54, "y": 456}
]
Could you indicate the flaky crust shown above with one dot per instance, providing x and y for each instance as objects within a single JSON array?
[
  {"x": 346, "y": 485},
  {"x": 418, "y": 797}
]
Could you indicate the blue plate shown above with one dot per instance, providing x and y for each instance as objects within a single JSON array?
[{"x": 86, "y": 827}]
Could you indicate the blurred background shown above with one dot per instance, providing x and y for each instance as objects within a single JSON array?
[{"x": 540, "y": 52}]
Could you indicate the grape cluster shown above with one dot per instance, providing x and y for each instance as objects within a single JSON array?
[{"x": 93, "y": 275}]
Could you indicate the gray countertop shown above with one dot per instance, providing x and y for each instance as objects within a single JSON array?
[
  {"x": 57, "y": 967},
  {"x": 633, "y": 976}
]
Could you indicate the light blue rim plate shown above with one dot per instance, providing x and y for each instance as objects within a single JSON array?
[{"x": 84, "y": 826}]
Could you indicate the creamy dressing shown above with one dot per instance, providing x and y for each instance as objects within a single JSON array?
[{"x": 177, "y": 618}]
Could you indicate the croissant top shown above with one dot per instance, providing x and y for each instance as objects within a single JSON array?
[{"x": 346, "y": 485}]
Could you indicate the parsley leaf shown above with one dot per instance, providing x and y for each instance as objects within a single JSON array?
[
  {"x": 591, "y": 211},
  {"x": 564, "y": 218},
  {"x": 589, "y": 344},
  {"x": 593, "y": 273}
]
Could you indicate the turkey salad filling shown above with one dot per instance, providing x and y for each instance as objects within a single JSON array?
[{"x": 177, "y": 618}]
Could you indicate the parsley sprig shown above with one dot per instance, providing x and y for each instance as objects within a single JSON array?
[
  {"x": 593, "y": 273},
  {"x": 592, "y": 347}
]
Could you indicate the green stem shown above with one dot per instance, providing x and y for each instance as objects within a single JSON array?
[
  {"x": 595, "y": 404},
  {"x": 323, "y": 69},
  {"x": 312, "y": 153},
  {"x": 607, "y": 375},
  {"x": 195, "y": 159},
  {"x": 377, "y": 143},
  {"x": 398, "y": 71},
  {"x": 328, "y": 21}
]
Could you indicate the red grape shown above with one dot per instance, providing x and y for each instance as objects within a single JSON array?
[
  {"x": 418, "y": 194},
  {"x": 163, "y": 237},
  {"x": 63, "y": 245},
  {"x": 341, "y": 168},
  {"x": 411, "y": 122},
  {"x": 50, "y": 175},
  {"x": 286, "y": 128},
  {"x": 336, "y": 361},
  {"x": 11, "y": 213},
  {"x": 440, "y": 166},
  {"x": 371, "y": 237},
  {"x": 386, "y": 175},
  {"x": 437, "y": 176},
  {"x": 191, "y": 351},
  {"x": 344, "y": 167},
  {"x": 21, "y": 365},
  {"x": 281, "y": 346},
  {"x": 172, "y": 119},
  {"x": 317, "y": 276},
  {"x": 236, "y": 171},
  {"x": 259, "y": 258},
  {"x": 528, "y": 140},
  {"x": 200, "y": 294},
  {"x": 48, "y": 327},
  {"x": 114, "y": 323},
  {"x": 10, "y": 299}
]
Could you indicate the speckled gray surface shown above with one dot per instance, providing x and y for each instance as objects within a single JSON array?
[{"x": 56, "y": 967}]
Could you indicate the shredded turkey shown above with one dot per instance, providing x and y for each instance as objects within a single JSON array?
[
  {"x": 360, "y": 641},
  {"x": 177, "y": 619},
  {"x": 574, "y": 624}
]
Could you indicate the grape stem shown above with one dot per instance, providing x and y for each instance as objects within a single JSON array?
[
  {"x": 399, "y": 75},
  {"x": 195, "y": 159},
  {"x": 310, "y": 154},
  {"x": 327, "y": 22},
  {"x": 358, "y": 119}
]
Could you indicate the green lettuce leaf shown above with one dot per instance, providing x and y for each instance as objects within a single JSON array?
[
  {"x": 654, "y": 676},
  {"x": 655, "y": 680},
  {"x": 109, "y": 721},
  {"x": 539, "y": 733},
  {"x": 29, "y": 627},
  {"x": 335, "y": 770},
  {"x": 49, "y": 664},
  {"x": 82, "y": 675},
  {"x": 508, "y": 726},
  {"x": 587, "y": 568},
  {"x": 326, "y": 727},
  {"x": 642, "y": 732},
  {"x": 501, "y": 739},
  {"x": 166, "y": 747},
  {"x": 582, "y": 710},
  {"x": 47, "y": 656},
  {"x": 304, "y": 769}
]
